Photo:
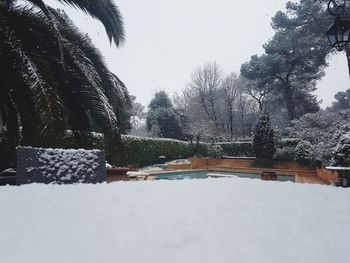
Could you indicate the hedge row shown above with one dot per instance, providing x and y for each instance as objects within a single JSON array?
[
  {"x": 140, "y": 151},
  {"x": 237, "y": 149}
]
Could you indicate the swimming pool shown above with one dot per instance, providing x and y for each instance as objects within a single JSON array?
[{"x": 206, "y": 174}]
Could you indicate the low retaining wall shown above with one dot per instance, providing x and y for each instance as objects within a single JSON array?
[
  {"x": 59, "y": 166},
  {"x": 207, "y": 163},
  {"x": 326, "y": 175},
  {"x": 302, "y": 173},
  {"x": 178, "y": 166}
]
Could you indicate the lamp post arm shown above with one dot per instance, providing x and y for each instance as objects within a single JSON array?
[{"x": 336, "y": 9}]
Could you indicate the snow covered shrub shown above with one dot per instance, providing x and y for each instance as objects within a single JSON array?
[
  {"x": 215, "y": 151},
  {"x": 286, "y": 154},
  {"x": 263, "y": 141},
  {"x": 288, "y": 142},
  {"x": 237, "y": 149},
  {"x": 304, "y": 152},
  {"x": 322, "y": 130},
  {"x": 285, "y": 149},
  {"x": 341, "y": 152}
]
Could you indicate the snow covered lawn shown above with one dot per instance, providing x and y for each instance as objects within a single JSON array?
[{"x": 213, "y": 220}]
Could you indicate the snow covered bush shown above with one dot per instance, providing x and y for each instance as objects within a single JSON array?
[
  {"x": 215, "y": 151},
  {"x": 288, "y": 142},
  {"x": 304, "y": 152},
  {"x": 285, "y": 154},
  {"x": 285, "y": 149},
  {"x": 341, "y": 152},
  {"x": 263, "y": 141},
  {"x": 322, "y": 130}
]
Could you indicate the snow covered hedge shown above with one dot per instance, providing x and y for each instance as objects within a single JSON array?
[
  {"x": 237, "y": 149},
  {"x": 141, "y": 151}
]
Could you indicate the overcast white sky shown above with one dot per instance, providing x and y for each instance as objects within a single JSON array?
[{"x": 166, "y": 40}]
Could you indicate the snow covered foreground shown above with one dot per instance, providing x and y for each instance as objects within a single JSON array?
[{"x": 213, "y": 220}]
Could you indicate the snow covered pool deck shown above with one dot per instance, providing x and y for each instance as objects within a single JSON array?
[
  {"x": 227, "y": 220},
  {"x": 298, "y": 178}
]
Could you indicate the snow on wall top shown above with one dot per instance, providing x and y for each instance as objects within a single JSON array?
[{"x": 37, "y": 165}]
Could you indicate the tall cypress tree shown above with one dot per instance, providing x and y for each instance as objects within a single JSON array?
[{"x": 263, "y": 142}]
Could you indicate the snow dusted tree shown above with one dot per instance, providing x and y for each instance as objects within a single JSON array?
[
  {"x": 162, "y": 119},
  {"x": 295, "y": 67},
  {"x": 247, "y": 113},
  {"x": 53, "y": 78},
  {"x": 342, "y": 103},
  {"x": 216, "y": 107},
  {"x": 196, "y": 125},
  {"x": 263, "y": 141},
  {"x": 305, "y": 152},
  {"x": 294, "y": 59},
  {"x": 341, "y": 152},
  {"x": 312, "y": 19},
  {"x": 231, "y": 85},
  {"x": 138, "y": 119},
  {"x": 321, "y": 130},
  {"x": 259, "y": 79},
  {"x": 206, "y": 81}
]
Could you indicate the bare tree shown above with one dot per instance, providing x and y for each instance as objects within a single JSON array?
[
  {"x": 230, "y": 87},
  {"x": 207, "y": 81},
  {"x": 216, "y": 107}
]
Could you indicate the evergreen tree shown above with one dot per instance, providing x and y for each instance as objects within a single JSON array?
[
  {"x": 342, "y": 102},
  {"x": 162, "y": 119},
  {"x": 263, "y": 142}
]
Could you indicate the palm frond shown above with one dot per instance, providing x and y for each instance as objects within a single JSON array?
[
  {"x": 47, "y": 98},
  {"x": 105, "y": 11},
  {"x": 48, "y": 107},
  {"x": 112, "y": 87}
]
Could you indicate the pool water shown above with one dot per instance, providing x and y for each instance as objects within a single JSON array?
[{"x": 206, "y": 174}]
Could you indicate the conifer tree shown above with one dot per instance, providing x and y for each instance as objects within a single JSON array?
[{"x": 263, "y": 142}]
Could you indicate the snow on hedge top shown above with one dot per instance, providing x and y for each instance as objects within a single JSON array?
[
  {"x": 132, "y": 137},
  {"x": 37, "y": 165}
]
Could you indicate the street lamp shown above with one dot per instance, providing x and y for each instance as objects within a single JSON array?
[{"x": 339, "y": 33}]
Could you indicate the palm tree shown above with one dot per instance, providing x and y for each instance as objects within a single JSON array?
[
  {"x": 104, "y": 10},
  {"x": 39, "y": 98}
]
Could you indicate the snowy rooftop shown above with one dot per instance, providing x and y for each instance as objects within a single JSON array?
[{"x": 213, "y": 220}]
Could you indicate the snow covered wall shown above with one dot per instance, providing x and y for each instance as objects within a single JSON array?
[{"x": 36, "y": 165}]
